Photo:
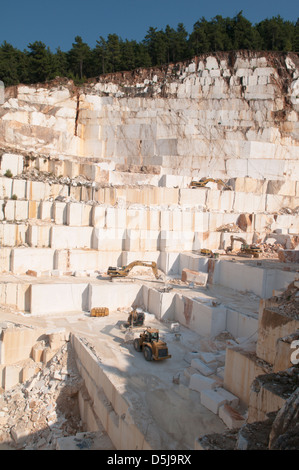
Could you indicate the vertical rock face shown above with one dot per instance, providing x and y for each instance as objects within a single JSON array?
[
  {"x": 226, "y": 115},
  {"x": 284, "y": 433}
]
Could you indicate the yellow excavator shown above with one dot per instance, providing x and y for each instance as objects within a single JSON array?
[
  {"x": 124, "y": 270},
  {"x": 203, "y": 183},
  {"x": 245, "y": 247}
]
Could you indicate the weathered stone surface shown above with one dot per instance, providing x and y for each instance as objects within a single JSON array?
[
  {"x": 146, "y": 119},
  {"x": 291, "y": 256},
  {"x": 284, "y": 433}
]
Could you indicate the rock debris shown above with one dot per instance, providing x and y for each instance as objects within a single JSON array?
[{"x": 35, "y": 414}]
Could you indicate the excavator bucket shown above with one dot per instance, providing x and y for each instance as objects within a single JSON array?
[{"x": 99, "y": 312}]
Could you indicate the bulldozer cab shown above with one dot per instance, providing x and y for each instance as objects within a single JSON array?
[{"x": 151, "y": 335}]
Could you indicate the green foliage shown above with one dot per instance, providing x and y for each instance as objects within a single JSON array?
[
  {"x": 112, "y": 54},
  {"x": 278, "y": 35},
  {"x": 40, "y": 62},
  {"x": 79, "y": 58},
  {"x": 8, "y": 174}
]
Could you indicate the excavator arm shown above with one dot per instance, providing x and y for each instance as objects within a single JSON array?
[
  {"x": 124, "y": 270},
  {"x": 245, "y": 248},
  {"x": 203, "y": 183},
  {"x": 237, "y": 239}
]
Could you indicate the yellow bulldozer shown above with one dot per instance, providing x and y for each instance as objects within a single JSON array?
[
  {"x": 124, "y": 270},
  {"x": 246, "y": 248},
  {"x": 151, "y": 345},
  {"x": 202, "y": 183}
]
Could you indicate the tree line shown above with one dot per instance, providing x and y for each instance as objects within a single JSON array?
[{"x": 38, "y": 63}]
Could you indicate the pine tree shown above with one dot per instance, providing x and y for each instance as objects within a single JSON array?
[
  {"x": 9, "y": 73},
  {"x": 199, "y": 39},
  {"x": 60, "y": 64},
  {"x": 114, "y": 52},
  {"x": 101, "y": 54},
  {"x": 79, "y": 56},
  {"x": 40, "y": 61}
]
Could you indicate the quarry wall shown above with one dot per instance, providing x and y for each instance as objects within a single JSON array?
[{"x": 224, "y": 115}]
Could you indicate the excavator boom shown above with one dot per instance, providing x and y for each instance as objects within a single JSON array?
[
  {"x": 203, "y": 183},
  {"x": 124, "y": 270},
  {"x": 245, "y": 248}
]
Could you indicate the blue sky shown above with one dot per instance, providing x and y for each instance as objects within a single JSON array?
[{"x": 56, "y": 23}]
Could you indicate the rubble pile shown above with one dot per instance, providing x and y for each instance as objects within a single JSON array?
[
  {"x": 288, "y": 302},
  {"x": 35, "y": 414},
  {"x": 45, "y": 176},
  {"x": 287, "y": 210},
  {"x": 270, "y": 250}
]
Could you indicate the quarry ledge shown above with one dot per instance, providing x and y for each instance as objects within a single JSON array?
[{"x": 126, "y": 393}]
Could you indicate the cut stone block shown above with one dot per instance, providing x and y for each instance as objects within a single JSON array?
[
  {"x": 189, "y": 371},
  {"x": 12, "y": 162},
  {"x": 37, "y": 352},
  {"x": 191, "y": 355},
  {"x": 115, "y": 218},
  {"x": 233, "y": 400},
  {"x": 176, "y": 241},
  {"x": 201, "y": 367},
  {"x": 37, "y": 191},
  {"x": 135, "y": 219},
  {"x": 39, "y": 236},
  {"x": 11, "y": 376},
  {"x": 9, "y": 210},
  {"x": 231, "y": 417},
  {"x": 66, "y": 237},
  {"x": 5, "y": 187},
  {"x": 108, "y": 239},
  {"x": 28, "y": 372},
  {"x": 213, "y": 399},
  {"x": 47, "y": 355},
  {"x": 19, "y": 188},
  {"x": 194, "y": 276},
  {"x": 35, "y": 259},
  {"x": 21, "y": 210},
  {"x": 199, "y": 382},
  {"x": 46, "y": 210},
  {"x": 20, "y": 433},
  {"x": 74, "y": 214},
  {"x": 208, "y": 357},
  {"x": 60, "y": 212},
  {"x": 291, "y": 256}
]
